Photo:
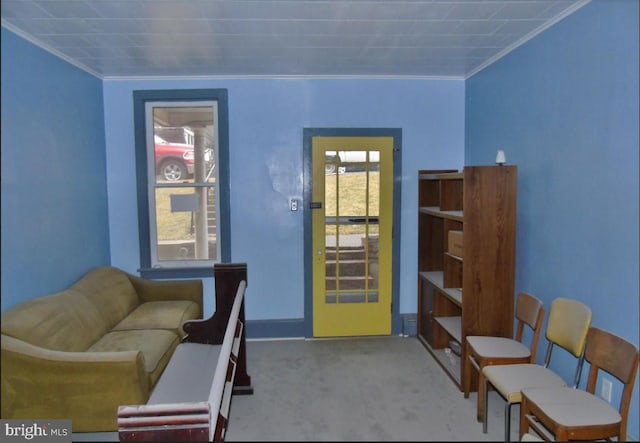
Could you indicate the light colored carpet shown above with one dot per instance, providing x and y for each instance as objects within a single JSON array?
[{"x": 361, "y": 389}]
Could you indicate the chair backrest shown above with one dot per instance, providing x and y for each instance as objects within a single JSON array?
[
  {"x": 568, "y": 325},
  {"x": 616, "y": 356},
  {"x": 529, "y": 312}
]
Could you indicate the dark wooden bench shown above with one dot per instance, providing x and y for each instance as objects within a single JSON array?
[{"x": 192, "y": 399}]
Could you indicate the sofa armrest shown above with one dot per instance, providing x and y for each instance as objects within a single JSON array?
[
  {"x": 158, "y": 290},
  {"x": 43, "y": 383}
]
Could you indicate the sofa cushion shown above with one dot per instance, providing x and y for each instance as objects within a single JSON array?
[
  {"x": 157, "y": 346},
  {"x": 160, "y": 315},
  {"x": 65, "y": 321},
  {"x": 110, "y": 291}
]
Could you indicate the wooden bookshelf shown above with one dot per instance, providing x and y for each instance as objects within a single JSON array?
[{"x": 472, "y": 294}]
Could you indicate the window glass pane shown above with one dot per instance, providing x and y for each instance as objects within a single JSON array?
[
  {"x": 178, "y": 216},
  {"x": 183, "y": 153}
]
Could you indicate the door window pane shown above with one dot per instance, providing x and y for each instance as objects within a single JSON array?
[{"x": 352, "y": 208}]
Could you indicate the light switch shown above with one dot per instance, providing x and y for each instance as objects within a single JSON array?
[{"x": 293, "y": 204}]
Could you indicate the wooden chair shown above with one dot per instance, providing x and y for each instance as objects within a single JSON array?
[
  {"x": 486, "y": 350},
  {"x": 573, "y": 414},
  {"x": 567, "y": 328}
]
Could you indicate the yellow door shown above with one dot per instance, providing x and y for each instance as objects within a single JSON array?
[{"x": 352, "y": 214}]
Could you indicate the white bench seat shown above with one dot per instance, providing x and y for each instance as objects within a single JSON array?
[
  {"x": 192, "y": 398},
  {"x": 188, "y": 376}
]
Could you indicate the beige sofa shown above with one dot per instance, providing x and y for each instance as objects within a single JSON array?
[{"x": 103, "y": 342}]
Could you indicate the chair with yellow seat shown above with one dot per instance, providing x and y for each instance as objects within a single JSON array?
[
  {"x": 487, "y": 350},
  {"x": 563, "y": 414},
  {"x": 567, "y": 328}
]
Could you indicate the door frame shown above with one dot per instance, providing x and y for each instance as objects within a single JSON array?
[{"x": 308, "y": 134}]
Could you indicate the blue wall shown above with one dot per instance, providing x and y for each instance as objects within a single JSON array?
[
  {"x": 54, "y": 207},
  {"x": 266, "y": 121},
  {"x": 564, "y": 107}
]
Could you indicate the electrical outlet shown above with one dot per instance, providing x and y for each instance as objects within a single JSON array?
[{"x": 605, "y": 392}]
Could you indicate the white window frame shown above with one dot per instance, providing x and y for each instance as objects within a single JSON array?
[{"x": 153, "y": 185}]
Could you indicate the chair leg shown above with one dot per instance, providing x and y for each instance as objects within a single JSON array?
[
  {"x": 524, "y": 423},
  {"x": 507, "y": 422},
  {"x": 467, "y": 376},
  {"x": 481, "y": 408},
  {"x": 486, "y": 405}
]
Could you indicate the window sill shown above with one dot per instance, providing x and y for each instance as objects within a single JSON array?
[{"x": 162, "y": 273}]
